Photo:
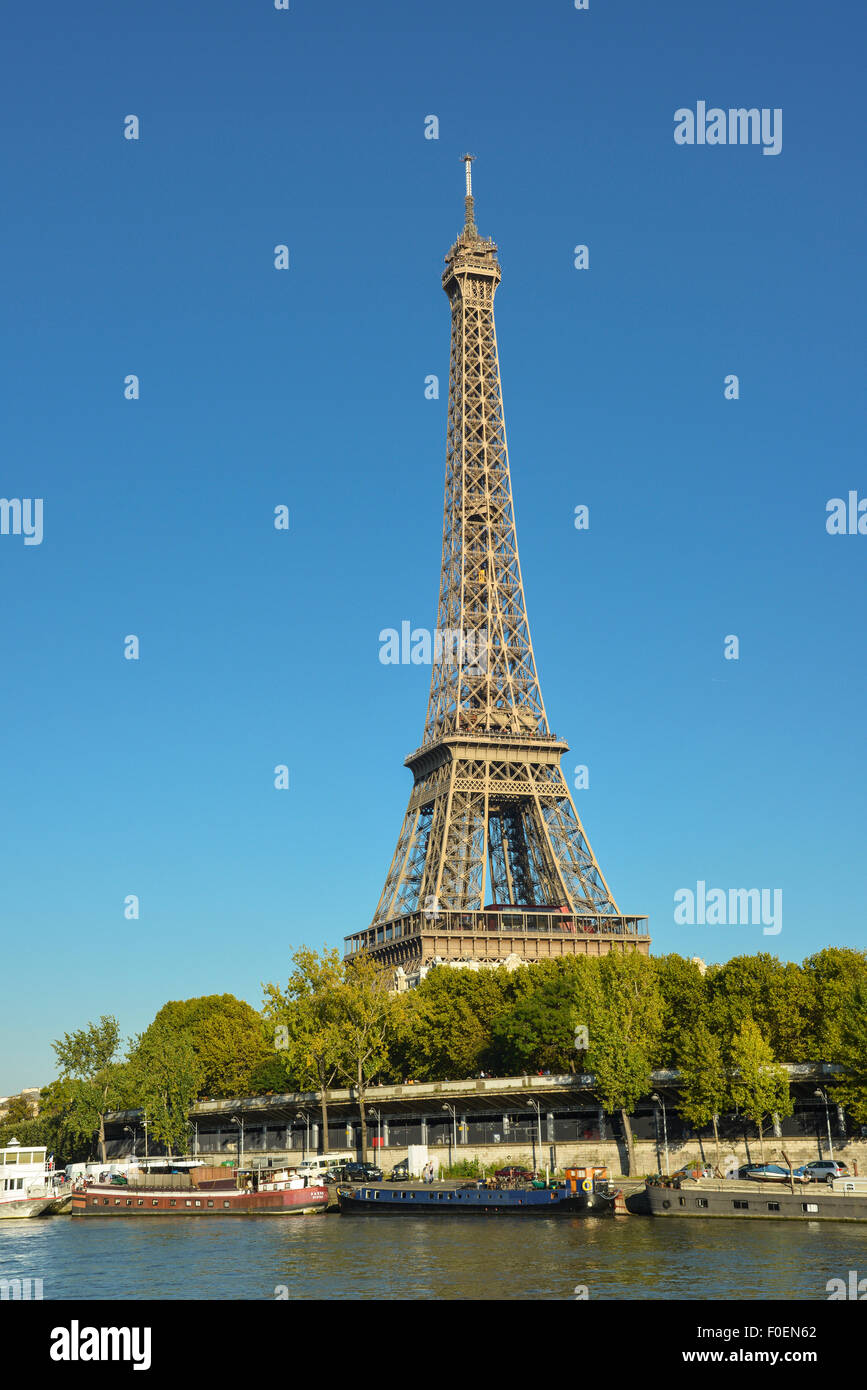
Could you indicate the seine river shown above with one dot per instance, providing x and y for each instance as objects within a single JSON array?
[{"x": 367, "y": 1257}]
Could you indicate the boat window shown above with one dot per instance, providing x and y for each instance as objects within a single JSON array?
[
  {"x": 699, "y": 1201},
  {"x": 188, "y": 1203},
  {"x": 172, "y": 1202},
  {"x": 95, "y": 1202},
  {"x": 773, "y": 1206},
  {"x": 141, "y": 1201},
  {"x": 809, "y": 1206},
  {"x": 105, "y": 1201},
  {"x": 129, "y": 1201},
  {"x": 198, "y": 1204},
  {"x": 210, "y": 1204},
  {"x": 155, "y": 1202},
  {"x": 681, "y": 1201},
  {"x": 741, "y": 1206},
  {"x": 227, "y": 1204},
  {"x": 117, "y": 1201}
]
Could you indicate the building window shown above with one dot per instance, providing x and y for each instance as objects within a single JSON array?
[{"x": 741, "y": 1206}]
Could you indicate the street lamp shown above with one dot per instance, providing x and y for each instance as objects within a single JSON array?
[
  {"x": 454, "y": 1122},
  {"x": 131, "y": 1129},
  {"x": 145, "y": 1126},
  {"x": 375, "y": 1112},
  {"x": 194, "y": 1126},
  {"x": 304, "y": 1115},
  {"x": 661, "y": 1102},
  {"x": 240, "y": 1123},
  {"x": 537, "y": 1108},
  {"x": 823, "y": 1097}
]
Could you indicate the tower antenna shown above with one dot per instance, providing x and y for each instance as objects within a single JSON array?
[{"x": 470, "y": 221}]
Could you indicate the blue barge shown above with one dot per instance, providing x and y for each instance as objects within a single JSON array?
[{"x": 577, "y": 1196}]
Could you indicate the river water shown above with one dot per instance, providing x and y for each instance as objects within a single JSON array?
[{"x": 370, "y": 1257}]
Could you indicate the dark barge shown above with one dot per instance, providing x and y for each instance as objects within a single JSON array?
[{"x": 749, "y": 1201}]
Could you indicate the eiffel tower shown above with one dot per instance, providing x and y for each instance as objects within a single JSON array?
[{"x": 492, "y": 861}]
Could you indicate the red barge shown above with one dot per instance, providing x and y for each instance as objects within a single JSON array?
[{"x": 255, "y": 1193}]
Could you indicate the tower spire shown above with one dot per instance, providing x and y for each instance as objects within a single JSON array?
[{"x": 469, "y": 205}]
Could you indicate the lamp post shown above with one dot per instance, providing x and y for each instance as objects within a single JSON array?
[
  {"x": 194, "y": 1126},
  {"x": 145, "y": 1127},
  {"x": 661, "y": 1102},
  {"x": 821, "y": 1094},
  {"x": 454, "y": 1123},
  {"x": 240, "y": 1124},
  {"x": 127, "y": 1129},
  {"x": 304, "y": 1115},
  {"x": 374, "y": 1111},
  {"x": 536, "y": 1106}
]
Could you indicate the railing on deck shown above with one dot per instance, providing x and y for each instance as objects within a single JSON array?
[{"x": 497, "y": 920}]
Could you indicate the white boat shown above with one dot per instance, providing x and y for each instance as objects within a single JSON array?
[{"x": 28, "y": 1184}]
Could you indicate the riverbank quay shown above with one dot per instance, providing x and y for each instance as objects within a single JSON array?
[{"x": 537, "y": 1121}]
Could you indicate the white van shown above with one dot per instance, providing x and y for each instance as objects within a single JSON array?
[{"x": 314, "y": 1167}]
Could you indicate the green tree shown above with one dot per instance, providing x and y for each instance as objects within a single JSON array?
[
  {"x": 625, "y": 1024},
  {"x": 536, "y": 1027},
  {"x": 775, "y": 996},
  {"x": 366, "y": 1011},
  {"x": 89, "y": 1057},
  {"x": 834, "y": 976},
  {"x": 228, "y": 1037},
  {"x": 851, "y": 1054},
  {"x": 443, "y": 1028},
  {"x": 165, "y": 1075},
  {"x": 306, "y": 1019},
  {"x": 683, "y": 1002},
  {"x": 759, "y": 1085},
  {"x": 704, "y": 1088}
]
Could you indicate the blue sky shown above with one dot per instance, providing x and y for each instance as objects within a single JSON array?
[{"x": 306, "y": 387}]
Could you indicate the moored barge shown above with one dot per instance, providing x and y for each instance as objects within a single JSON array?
[
  {"x": 271, "y": 1193},
  {"x": 751, "y": 1201},
  {"x": 577, "y": 1196}
]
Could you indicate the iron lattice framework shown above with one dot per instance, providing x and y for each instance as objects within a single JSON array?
[{"x": 490, "y": 816}]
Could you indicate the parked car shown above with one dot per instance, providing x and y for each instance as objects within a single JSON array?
[
  {"x": 362, "y": 1172},
  {"x": 520, "y": 1173},
  {"x": 400, "y": 1172},
  {"x": 694, "y": 1170},
  {"x": 825, "y": 1170},
  {"x": 775, "y": 1172}
]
